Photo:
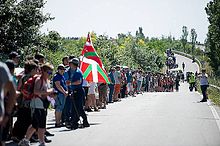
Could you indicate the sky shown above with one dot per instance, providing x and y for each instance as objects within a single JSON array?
[{"x": 75, "y": 18}]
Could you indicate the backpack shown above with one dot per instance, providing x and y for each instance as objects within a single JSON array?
[{"x": 28, "y": 88}]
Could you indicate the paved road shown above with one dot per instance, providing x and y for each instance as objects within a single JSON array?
[
  {"x": 154, "y": 119},
  {"x": 151, "y": 119}
]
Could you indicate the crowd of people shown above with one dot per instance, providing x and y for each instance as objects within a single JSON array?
[
  {"x": 68, "y": 92},
  {"x": 171, "y": 59}
]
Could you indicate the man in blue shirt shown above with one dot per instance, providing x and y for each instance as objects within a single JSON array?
[
  {"x": 112, "y": 84},
  {"x": 74, "y": 80}
]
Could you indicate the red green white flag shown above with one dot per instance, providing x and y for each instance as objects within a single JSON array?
[
  {"x": 92, "y": 71},
  {"x": 90, "y": 52}
]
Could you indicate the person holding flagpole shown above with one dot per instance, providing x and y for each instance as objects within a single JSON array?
[{"x": 74, "y": 82}]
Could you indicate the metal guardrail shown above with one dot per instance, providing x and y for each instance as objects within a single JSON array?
[{"x": 197, "y": 61}]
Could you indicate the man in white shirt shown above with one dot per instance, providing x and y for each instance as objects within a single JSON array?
[{"x": 204, "y": 84}]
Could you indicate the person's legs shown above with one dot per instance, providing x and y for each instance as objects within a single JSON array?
[
  {"x": 60, "y": 102},
  {"x": 67, "y": 110},
  {"x": 139, "y": 86},
  {"x": 116, "y": 92},
  {"x": 88, "y": 103},
  {"x": 204, "y": 90},
  {"x": 40, "y": 133},
  {"x": 111, "y": 91}
]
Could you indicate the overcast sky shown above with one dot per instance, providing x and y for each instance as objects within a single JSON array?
[{"x": 75, "y": 18}]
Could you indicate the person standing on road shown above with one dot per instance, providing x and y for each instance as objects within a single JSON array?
[
  {"x": 39, "y": 107},
  {"x": 61, "y": 88},
  {"x": 192, "y": 82},
  {"x": 77, "y": 94},
  {"x": 183, "y": 66},
  {"x": 7, "y": 88},
  {"x": 112, "y": 84},
  {"x": 204, "y": 84},
  {"x": 118, "y": 80}
]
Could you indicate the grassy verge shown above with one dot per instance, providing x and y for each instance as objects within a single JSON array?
[
  {"x": 215, "y": 81},
  {"x": 214, "y": 95}
]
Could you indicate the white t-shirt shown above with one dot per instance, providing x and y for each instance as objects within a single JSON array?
[
  {"x": 117, "y": 76},
  {"x": 85, "y": 83},
  {"x": 139, "y": 77},
  {"x": 92, "y": 87}
]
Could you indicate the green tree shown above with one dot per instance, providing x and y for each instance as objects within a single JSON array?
[
  {"x": 20, "y": 24},
  {"x": 213, "y": 37},
  {"x": 140, "y": 34},
  {"x": 52, "y": 41},
  {"x": 193, "y": 39},
  {"x": 184, "y": 37}
]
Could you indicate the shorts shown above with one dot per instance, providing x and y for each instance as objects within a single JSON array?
[
  {"x": 117, "y": 88},
  {"x": 60, "y": 102},
  {"x": 39, "y": 118},
  {"x": 103, "y": 90},
  {"x": 129, "y": 87}
]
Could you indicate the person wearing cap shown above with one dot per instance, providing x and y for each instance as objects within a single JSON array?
[
  {"x": 40, "y": 58},
  {"x": 15, "y": 57},
  {"x": 39, "y": 107},
  {"x": 60, "y": 86},
  {"x": 74, "y": 80}
]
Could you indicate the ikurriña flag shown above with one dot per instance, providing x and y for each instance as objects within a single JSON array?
[
  {"x": 92, "y": 71},
  {"x": 90, "y": 52}
]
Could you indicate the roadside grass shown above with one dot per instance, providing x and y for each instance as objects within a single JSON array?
[
  {"x": 215, "y": 81},
  {"x": 214, "y": 95}
]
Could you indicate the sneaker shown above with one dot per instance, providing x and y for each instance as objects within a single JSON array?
[
  {"x": 88, "y": 110},
  {"x": 47, "y": 140},
  {"x": 15, "y": 139},
  {"x": 47, "y": 133},
  {"x": 74, "y": 126},
  {"x": 42, "y": 144},
  {"x": 24, "y": 142},
  {"x": 68, "y": 125},
  {"x": 86, "y": 124}
]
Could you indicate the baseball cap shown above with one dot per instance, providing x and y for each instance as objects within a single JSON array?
[
  {"x": 13, "y": 55},
  {"x": 61, "y": 66},
  {"x": 74, "y": 61}
]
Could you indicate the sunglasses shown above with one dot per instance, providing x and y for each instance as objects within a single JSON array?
[{"x": 49, "y": 72}]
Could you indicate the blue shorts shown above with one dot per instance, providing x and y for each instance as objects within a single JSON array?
[{"x": 60, "y": 102}]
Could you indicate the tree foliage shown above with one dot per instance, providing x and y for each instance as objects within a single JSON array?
[
  {"x": 184, "y": 37},
  {"x": 213, "y": 37},
  {"x": 193, "y": 39},
  {"x": 20, "y": 23}
]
